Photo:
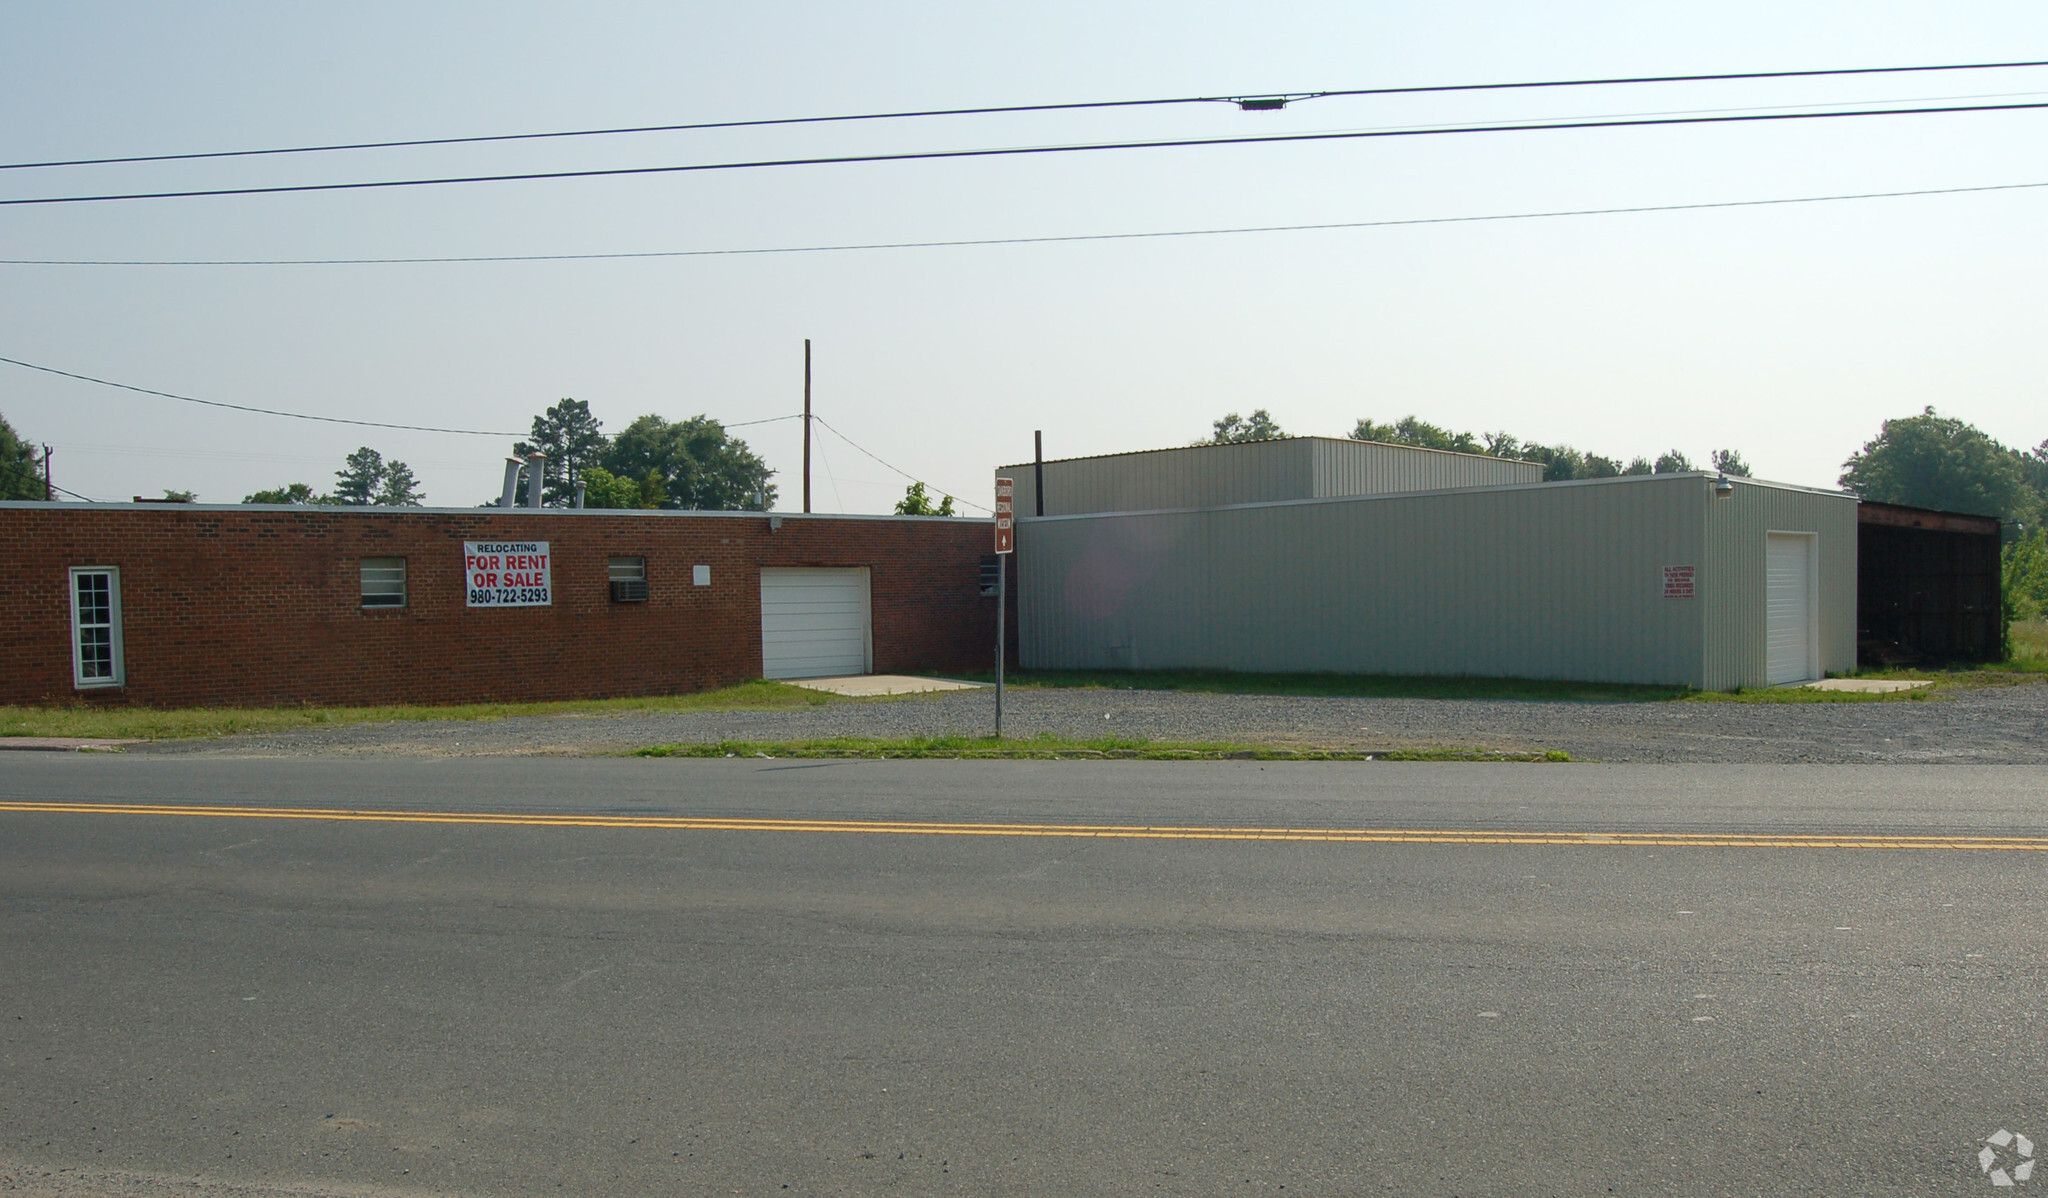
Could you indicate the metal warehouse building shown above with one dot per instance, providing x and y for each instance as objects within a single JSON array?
[{"x": 1309, "y": 555}]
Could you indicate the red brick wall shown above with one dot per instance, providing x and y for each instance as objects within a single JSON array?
[{"x": 262, "y": 606}]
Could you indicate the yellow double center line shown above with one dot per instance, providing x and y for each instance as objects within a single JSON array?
[{"x": 1757, "y": 840}]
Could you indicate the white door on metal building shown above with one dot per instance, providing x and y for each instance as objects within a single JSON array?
[
  {"x": 814, "y": 622},
  {"x": 1788, "y": 608}
]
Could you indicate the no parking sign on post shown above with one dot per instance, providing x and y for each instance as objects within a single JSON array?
[
  {"x": 1006, "y": 523},
  {"x": 1006, "y": 544}
]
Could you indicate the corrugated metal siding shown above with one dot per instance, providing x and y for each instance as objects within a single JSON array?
[
  {"x": 1346, "y": 467},
  {"x": 1200, "y": 476},
  {"x": 1732, "y": 580},
  {"x": 1558, "y": 581},
  {"x": 1197, "y": 476}
]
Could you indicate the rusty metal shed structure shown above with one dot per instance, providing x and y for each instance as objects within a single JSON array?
[{"x": 1927, "y": 586}]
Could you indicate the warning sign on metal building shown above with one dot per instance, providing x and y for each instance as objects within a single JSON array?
[
  {"x": 507, "y": 573},
  {"x": 1006, "y": 521},
  {"x": 1678, "y": 581}
]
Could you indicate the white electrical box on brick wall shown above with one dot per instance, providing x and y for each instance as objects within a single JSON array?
[{"x": 700, "y": 576}]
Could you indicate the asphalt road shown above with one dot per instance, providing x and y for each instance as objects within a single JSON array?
[{"x": 255, "y": 1004}]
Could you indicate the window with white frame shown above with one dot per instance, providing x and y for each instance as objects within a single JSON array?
[
  {"x": 383, "y": 581},
  {"x": 96, "y": 627}
]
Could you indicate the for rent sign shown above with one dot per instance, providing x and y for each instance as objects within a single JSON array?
[{"x": 507, "y": 573}]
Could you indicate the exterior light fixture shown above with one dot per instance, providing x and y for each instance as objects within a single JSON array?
[{"x": 1722, "y": 487}]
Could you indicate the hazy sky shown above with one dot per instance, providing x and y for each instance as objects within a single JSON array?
[{"x": 1788, "y": 333}]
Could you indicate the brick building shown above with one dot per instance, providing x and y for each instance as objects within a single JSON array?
[{"x": 180, "y": 604}]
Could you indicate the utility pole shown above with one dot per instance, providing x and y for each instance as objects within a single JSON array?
[
  {"x": 49, "y": 487},
  {"x": 1038, "y": 475},
  {"x": 807, "y": 426}
]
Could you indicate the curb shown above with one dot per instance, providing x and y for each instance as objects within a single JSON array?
[{"x": 62, "y": 744}]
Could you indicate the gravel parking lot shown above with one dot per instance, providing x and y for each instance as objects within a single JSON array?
[{"x": 2007, "y": 725}]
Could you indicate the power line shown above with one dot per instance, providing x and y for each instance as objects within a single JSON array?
[
  {"x": 377, "y": 424},
  {"x": 1014, "y": 151},
  {"x": 1257, "y": 102},
  {"x": 214, "y": 403},
  {"x": 898, "y": 469},
  {"x": 20, "y": 472},
  {"x": 1046, "y": 240}
]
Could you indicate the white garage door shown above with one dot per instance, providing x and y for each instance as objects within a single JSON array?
[
  {"x": 814, "y": 623},
  {"x": 1788, "y": 622}
]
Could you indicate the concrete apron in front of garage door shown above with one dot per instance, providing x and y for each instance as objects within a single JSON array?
[{"x": 859, "y": 685}]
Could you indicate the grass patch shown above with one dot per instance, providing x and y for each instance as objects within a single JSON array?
[
  {"x": 143, "y": 723},
  {"x": 2028, "y": 643},
  {"x": 1373, "y": 686},
  {"x": 1046, "y": 746},
  {"x": 2028, "y": 665}
]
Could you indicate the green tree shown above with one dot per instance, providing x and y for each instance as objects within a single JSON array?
[
  {"x": 366, "y": 478},
  {"x": 360, "y": 477},
  {"x": 399, "y": 488},
  {"x": 2034, "y": 472},
  {"x": 916, "y": 503},
  {"x": 1410, "y": 430},
  {"x": 1729, "y": 462},
  {"x": 1940, "y": 462},
  {"x": 1233, "y": 429},
  {"x": 695, "y": 464},
  {"x": 573, "y": 440},
  {"x": 603, "y": 489},
  {"x": 173, "y": 496},
  {"x": 1559, "y": 462},
  {"x": 2026, "y": 577},
  {"x": 19, "y": 478},
  {"x": 653, "y": 495},
  {"x": 298, "y": 493}
]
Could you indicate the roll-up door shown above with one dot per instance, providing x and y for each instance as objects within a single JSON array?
[
  {"x": 814, "y": 622},
  {"x": 1788, "y": 608}
]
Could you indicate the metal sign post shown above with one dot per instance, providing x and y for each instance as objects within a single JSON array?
[{"x": 1006, "y": 543}]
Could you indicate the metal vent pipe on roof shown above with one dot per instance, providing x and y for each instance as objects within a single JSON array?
[
  {"x": 536, "y": 470},
  {"x": 511, "y": 495}
]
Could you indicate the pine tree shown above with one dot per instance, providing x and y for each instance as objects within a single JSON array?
[
  {"x": 399, "y": 488},
  {"x": 573, "y": 440},
  {"x": 360, "y": 478}
]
